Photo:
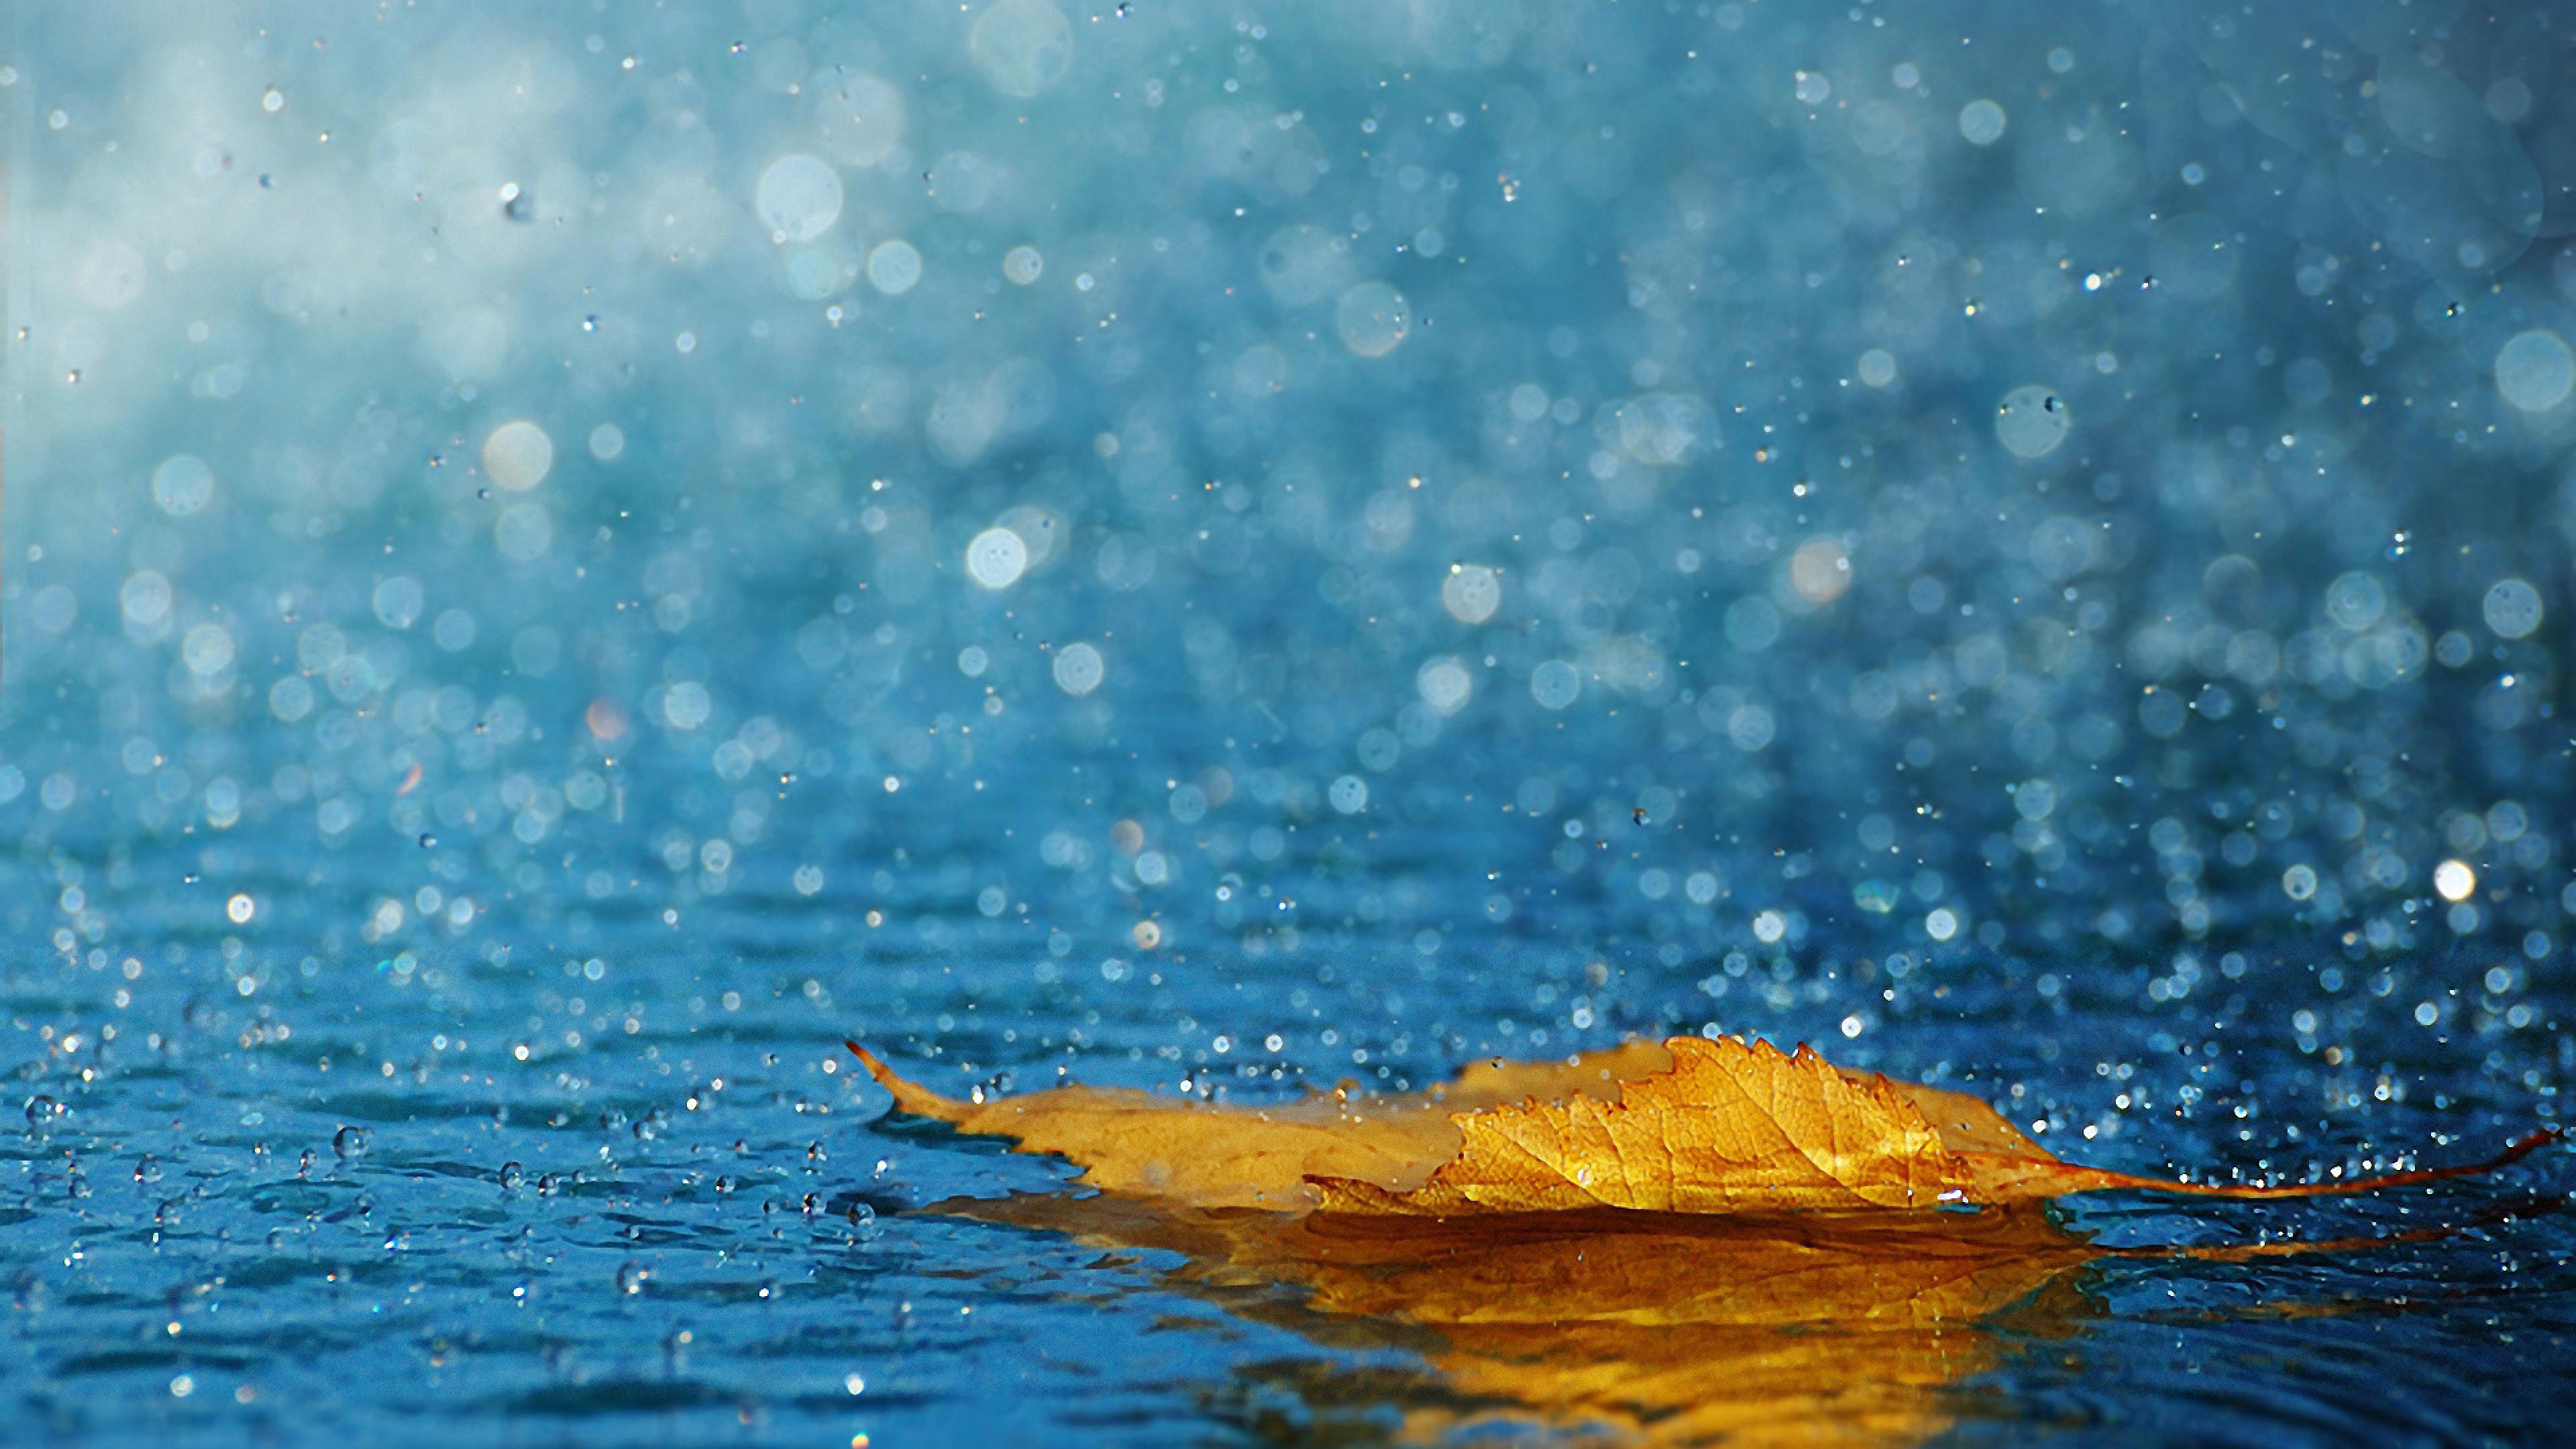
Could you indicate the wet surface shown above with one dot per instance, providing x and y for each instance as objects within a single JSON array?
[
  {"x": 561, "y": 564},
  {"x": 329, "y": 1203}
]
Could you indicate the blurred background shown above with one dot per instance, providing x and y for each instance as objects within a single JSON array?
[
  {"x": 1741, "y": 457},
  {"x": 550, "y": 544}
]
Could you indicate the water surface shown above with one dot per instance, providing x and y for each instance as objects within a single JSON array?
[{"x": 560, "y": 564}]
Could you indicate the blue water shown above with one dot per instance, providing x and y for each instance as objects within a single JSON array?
[{"x": 561, "y": 560}]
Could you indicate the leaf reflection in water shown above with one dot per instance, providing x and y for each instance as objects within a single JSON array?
[{"x": 1664, "y": 1328}]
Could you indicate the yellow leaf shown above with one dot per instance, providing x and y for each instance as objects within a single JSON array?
[
  {"x": 1691, "y": 1126},
  {"x": 1666, "y": 1244}
]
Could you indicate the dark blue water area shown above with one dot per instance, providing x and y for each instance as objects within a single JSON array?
[
  {"x": 471, "y": 1189},
  {"x": 560, "y": 561}
]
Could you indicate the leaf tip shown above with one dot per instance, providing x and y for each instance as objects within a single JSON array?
[
  {"x": 2530, "y": 1143},
  {"x": 920, "y": 1101}
]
